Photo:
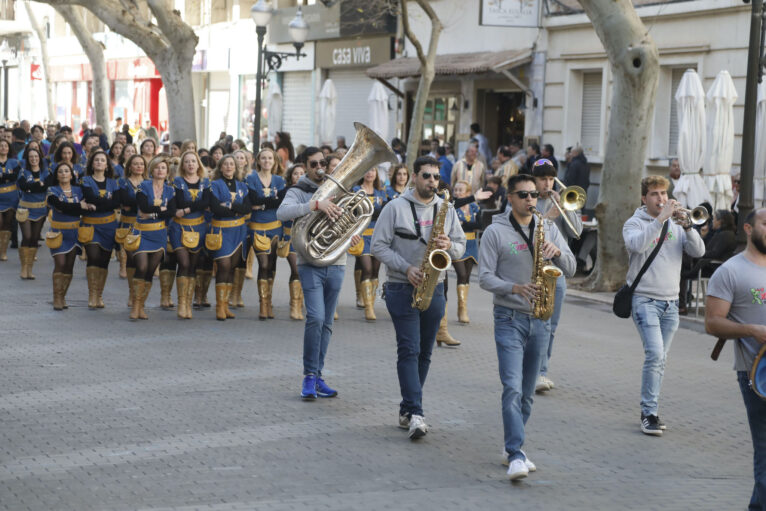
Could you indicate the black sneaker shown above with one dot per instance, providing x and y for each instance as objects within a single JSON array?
[
  {"x": 650, "y": 425},
  {"x": 662, "y": 425}
]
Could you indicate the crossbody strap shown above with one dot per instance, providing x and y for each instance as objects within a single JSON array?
[{"x": 651, "y": 256}]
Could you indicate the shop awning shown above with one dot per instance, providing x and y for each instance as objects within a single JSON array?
[{"x": 454, "y": 64}]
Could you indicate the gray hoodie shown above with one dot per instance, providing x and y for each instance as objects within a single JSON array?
[
  {"x": 505, "y": 260},
  {"x": 296, "y": 204},
  {"x": 641, "y": 233},
  {"x": 399, "y": 253}
]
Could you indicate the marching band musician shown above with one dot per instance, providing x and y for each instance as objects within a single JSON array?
[
  {"x": 65, "y": 153},
  {"x": 368, "y": 265},
  {"x": 655, "y": 300},
  {"x": 67, "y": 204},
  {"x": 156, "y": 206},
  {"x": 9, "y": 196},
  {"x": 135, "y": 170},
  {"x": 293, "y": 175},
  {"x": 544, "y": 173},
  {"x": 190, "y": 186},
  {"x": 469, "y": 221},
  {"x": 321, "y": 284},
  {"x": 229, "y": 202},
  {"x": 400, "y": 241},
  {"x": 97, "y": 227},
  {"x": 506, "y": 269},
  {"x": 33, "y": 184},
  {"x": 265, "y": 230}
]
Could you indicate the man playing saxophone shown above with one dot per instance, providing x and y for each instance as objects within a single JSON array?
[
  {"x": 507, "y": 255},
  {"x": 402, "y": 234}
]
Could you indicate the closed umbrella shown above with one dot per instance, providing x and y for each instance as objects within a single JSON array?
[
  {"x": 378, "y": 108},
  {"x": 691, "y": 190},
  {"x": 720, "y": 139},
  {"x": 759, "y": 172},
  {"x": 328, "y": 101},
  {"x": 273, "y": 109}
]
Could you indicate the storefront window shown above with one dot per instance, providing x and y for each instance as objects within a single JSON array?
[{"x": 440, "y": 119}]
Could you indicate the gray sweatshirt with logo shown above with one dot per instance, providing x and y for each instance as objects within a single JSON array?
[
  {"x": 399, "y": 253},
  {"x": 662, "y": 279},
  {"x": 505, "y": 259}
]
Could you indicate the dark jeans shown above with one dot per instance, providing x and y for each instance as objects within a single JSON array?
[
  {"x": 415, "y": 336},
  {"x": 756, "y": 416}
]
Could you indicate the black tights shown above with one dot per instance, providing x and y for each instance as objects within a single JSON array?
[
  {"x": 204, "y": 261},
  {"x": 64, "y": 263},
  {"x": 369, "y": 266},
  {"x": 169, "y": 262},
  {"x": 463, "y": 269},
  {"x": 293, "y": 260},
  {"x": 97, "y": 256},
  {"x": 30, "y": 232},
  {"x": 6, "y": 220},
  {"x": 129, "y": 262},
  {"x": 187, "y": 262},
  {"x": 267, "y": 263},
  {"x": 224, "y": 273},
  {"x": 146, "y": 264}
]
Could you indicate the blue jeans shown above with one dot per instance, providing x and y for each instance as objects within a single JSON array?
[
  {"x": 561, "y": 291},
  {"x": 756, "y": 416},
  {"x": 321, "y": 287},
  {"x": 656, "y": 321},
  {"x": 415, "y": 336},
  {"x": 521, "y": 341}
]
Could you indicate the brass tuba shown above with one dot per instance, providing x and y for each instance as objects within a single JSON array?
[{"x": 318, "y": 239}]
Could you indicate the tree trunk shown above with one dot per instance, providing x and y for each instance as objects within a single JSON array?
[
  {"x": 95, "y": 53},
  {"x": 634, "y": 63},
  {"x": 175, "y": 69},
  {"x": 46, "y": 61}
]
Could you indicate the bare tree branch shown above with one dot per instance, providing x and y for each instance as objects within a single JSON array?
[
  {"x": 411, "y": 35},
  {"x": 46, "y": 59}
]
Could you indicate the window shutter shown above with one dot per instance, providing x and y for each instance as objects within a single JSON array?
[{"x": 590, "y": 128}]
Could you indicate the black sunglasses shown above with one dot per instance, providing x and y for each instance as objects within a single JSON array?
[
  {"x": 429, "y": 175},
  {"x": 318, "y": 163},
  {"x": 523, "y": 194}
]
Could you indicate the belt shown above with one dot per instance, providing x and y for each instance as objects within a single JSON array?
[
  {"x": 254, "y": 226},
  {"x": 368, "y": 232},
  {"x": 99, "y": 220},
  {"x": 470, "y": 236},
  {"x": 228, "y": 223},
  {"x": 32, "y": 205},
  {"x": 8, "y": 188},
  {"x": 127, "y": 219},
  {"x": 65, "y": 225},
  {"x": 190, "y": 221},
  {"x": 154, "y": 226}
]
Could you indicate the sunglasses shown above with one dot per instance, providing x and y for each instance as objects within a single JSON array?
[
  {"x": 318, "y": 163},
  {"x": 523, "y": 194},
  {"x": 542, "y": 161},
  {"x": 428, "y": 175}
]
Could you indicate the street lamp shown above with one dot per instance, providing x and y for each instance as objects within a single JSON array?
[
  {"x": 261, "y": 13},
  {"x": 6, "y": 54}
]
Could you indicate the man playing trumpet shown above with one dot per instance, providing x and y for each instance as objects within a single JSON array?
[{"x": 655, "y": 300}]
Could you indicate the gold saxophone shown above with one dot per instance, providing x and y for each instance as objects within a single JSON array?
[
  {"x": 544, "y": 275},
  {"x": 435, "y": 260}
]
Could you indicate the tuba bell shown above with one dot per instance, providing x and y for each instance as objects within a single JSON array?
[{"x": 320, "y": 240}]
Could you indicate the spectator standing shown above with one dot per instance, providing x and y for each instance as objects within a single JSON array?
[
  {"x": 533, "y": 154},
  {"x": 484, "y": 149},
  {"x": 469, "y": 169},
  {"x": 507, "y": 167},
  {"x": 445, "y": 166},
  {"x": 578, "y": 170},
  {"x": 547, "y": 152},
  {"x": 674, "y": 174}
]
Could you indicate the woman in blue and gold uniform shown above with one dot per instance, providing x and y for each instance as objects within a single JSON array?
[
  {"x": 115, "y": 154},
  {"x": 400, "y": 177},
  {"x": 366, "y": 263},
  {"x": 187, "y": 230},
  {"x": 136, "y": 174},
  {"x": 156, "y": 201},
  {"x": 229, "y": 202},
  {"x": 32, "y": 208},
  {"x": 67, "y": 205},
  {"x": 241, "y": 271},
  {"x": 65, "y": 153},
  {"x": 264, "y": 230},
  {"x": 469, "y": 221},
  {"x": 9, "y": 196},
  {"x": 97, "y": 228},
  {"x": 286, "y": 249}
]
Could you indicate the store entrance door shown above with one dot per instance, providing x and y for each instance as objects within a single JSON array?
[{"x": 503, "y": 119}]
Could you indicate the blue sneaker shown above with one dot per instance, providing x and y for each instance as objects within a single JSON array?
[
  {"x": 323, "y": 390},
  {"x": 309, "y": 391}
]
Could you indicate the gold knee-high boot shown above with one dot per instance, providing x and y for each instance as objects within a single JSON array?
[
  {"x": 67, "y": 280},
  {"x": 358, "y": 287},
  {"x": 220, "y": 301},
  {"x": 296, "y": 300},
  {"x": 369, "y": 300},
  {"x": 58, "y": 291},
  {"x": 123, "y": 257},
  {"x": 202, "y": 285},
  {"x": 167, "y": 277},
  {"x": 462, "y": 303},
  {"x": 269, "y": 301},
  {"x": 5, "y": 240},
  {"x": 263, "y": 290},
  {"x": 229, "y": 314},
  {"x": 27, "y": 258},
  {"x": 137, "y": 290},
  {"x": 92, "y": 274},
  {"x": 131, "y": 290},
  {"x": 184, "y": 309},
  {"x": 190, "y": 296},
  {"x": 235, "y": 299},
  {"x": 142, "y": 300},
  {"x": 443, "y": 335},
  {"x": 23, "y": 263},
  {"x": 103, "y": 273}
]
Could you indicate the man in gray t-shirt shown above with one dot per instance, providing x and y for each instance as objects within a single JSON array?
[{"x": 736, "y": 309}]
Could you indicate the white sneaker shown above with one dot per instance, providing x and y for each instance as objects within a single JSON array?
[
  {"x": 517, "y": 470},
  {"x": 418, "y": 427},
  {"x": 404, "y": 421},
  {"x": 548, "y": 381},
  {"x": 530, "y": 466},
  {"x": 542, "y": 385}
]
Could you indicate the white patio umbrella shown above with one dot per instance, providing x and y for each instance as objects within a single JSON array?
[
  {"x": 378, "y": 108},
  {"x": 691, "y": 190},
  {"x": 328, "y": 100},
  {"x": 759, "y": 171},
  {"x": 273, "y": 108},
  {"x": 720, "y": 140}
]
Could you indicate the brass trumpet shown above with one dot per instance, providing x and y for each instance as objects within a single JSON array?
[
  {"x": 696, "y": 216},
  {"x": 572, "y": 199}
]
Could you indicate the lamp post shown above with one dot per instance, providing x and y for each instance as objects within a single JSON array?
[
  {"x": 6, "y": 54},
  {"x": 261, "y": 13}
]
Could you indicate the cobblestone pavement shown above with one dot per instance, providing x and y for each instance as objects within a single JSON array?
[{"x": 97, "y": 412}]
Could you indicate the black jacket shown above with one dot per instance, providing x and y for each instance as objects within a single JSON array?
[{"x": 578, "y": 172}]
